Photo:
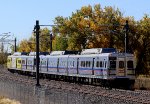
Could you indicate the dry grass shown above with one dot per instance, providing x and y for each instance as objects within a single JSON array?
[
  {"x": 4, "y": 100},
  {"x": 142, "y": 82}
]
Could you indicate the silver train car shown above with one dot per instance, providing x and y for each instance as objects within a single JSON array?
[{"x": 101, "y": 66}]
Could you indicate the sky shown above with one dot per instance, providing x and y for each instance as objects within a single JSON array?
[{"x": 19, "y": 16}]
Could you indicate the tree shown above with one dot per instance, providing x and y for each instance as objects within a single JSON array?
[
  {"x": 44, "y": 39},
  {"x": 143, "y": 45},
  {"x": 26, "y": 46},
  {"x": 96, "y": 27},
  {"x": 59, "y": 43},
  {"x": 85, "y": 28}
]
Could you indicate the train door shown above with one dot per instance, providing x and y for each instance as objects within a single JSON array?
[
  {"x": 72, "y": 65},
  {"x": 24, "y": 63},
  {"x": 112, "y": 66},
  {"x": 130, "y": 67},
  {"x": 13, "y": 62},
  {"x": 18, "y": 63},
  {"x": 30, "y": 64},
  {"x": 121, "y": 67},
  {"x": 63, "y": 65},
  {"x": 43, "y": 64},
  {"x": 9, "y": 61},
  {"x": 53, "y": 64},
  {"x": 85, "y": 65}
]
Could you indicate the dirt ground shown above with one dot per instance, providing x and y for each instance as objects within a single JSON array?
[{"x": 142, "y": 83}]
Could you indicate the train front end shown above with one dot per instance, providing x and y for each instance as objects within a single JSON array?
[{"x": 122, "y": 70}]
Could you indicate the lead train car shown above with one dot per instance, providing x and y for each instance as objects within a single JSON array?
[{"x": 106, "y": 69}]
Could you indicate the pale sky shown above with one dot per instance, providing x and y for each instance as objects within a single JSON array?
[{"x": 19, "y": 16}]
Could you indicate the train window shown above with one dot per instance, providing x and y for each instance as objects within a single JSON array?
[
  {"x": 121, "y": 64},
  {"x": 97, "y": 64},
  {"x": 23, "y": 61},
  {"x": 87, "y": 63},
  {"x": 29, "y": 62},
  {"x": 19, "y": 61},
  {"x": 101, "y": 64},
  {"x": 43, "y": 62},
  {"x": 130, "y": 64},
  {"x": 105, "y": 64},
  {"x": 82, "y": 63},
  {"x": 112, "y": 64},
  {"x": 34, "y": 61}
]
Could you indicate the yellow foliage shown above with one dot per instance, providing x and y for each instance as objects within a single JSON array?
[{"x": 4, "y": 100}]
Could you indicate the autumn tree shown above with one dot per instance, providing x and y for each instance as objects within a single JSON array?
[
  {"x": 143, "y": 45},
  {"x": 96, "y": 27},
  {"x": 44, "y": 40},
  {"x": 90, "y": 27}
]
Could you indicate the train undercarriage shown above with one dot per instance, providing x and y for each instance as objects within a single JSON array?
[{"x": 118, "y": 83}]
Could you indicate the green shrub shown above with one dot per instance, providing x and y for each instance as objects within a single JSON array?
[{"x": 3, "y": 58}]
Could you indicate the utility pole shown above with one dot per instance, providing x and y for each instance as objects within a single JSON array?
[
  {"x": 2, "y": 50},
  {"x": 126, "y": 37},
  {"x": 37, "y": 28},
  {"x": 15, "y": 45},
  {"x": 50, "y": 43}
]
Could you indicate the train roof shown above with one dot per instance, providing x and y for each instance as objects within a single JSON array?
[
  {"x": 66, "y": 52},
  {"x": 40, "y": 53},
  {"x": 20, "y": 53},
  {"x": 98, "y": 50},
  {"x": 56, "y": 53}
]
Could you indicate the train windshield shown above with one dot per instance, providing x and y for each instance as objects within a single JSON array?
[
  {"x": 108, "y": 50},
  {"x": 130, "y": 64},
  {"x": 112, "y": 64},
  {"x": 121, "y": 64}
]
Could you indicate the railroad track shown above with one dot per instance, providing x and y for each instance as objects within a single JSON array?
[{"x": 137, "y": 96}]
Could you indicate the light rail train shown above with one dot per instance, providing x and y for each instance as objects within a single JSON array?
[{"x": 103, "y": 66}]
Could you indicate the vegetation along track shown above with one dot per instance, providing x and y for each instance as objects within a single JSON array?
[{"x": 137, "y": 96}]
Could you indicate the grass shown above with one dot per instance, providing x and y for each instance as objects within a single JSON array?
[{"x": 4, "y": 100}]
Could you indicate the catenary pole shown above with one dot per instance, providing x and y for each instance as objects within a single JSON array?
[{"x": 37, "y": 28}]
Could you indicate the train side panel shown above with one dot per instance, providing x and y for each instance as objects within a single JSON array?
[
  {"x": 101, "y": 66},
  {"x": 13, "y": 62},
  {"x": 53, "y": 64},
  {"x": 43, "y": 64},
  {"x": 130, "y": 67},
  {"x": 31, "y": 64},
  {"x": 63, "y": 65},
  {"x": 85, "y": 65},
  {"x": 73, "y": 62},
  {"x": 9, "y": 62},
  {"x": 18, "y": 63},
  {"x": 24, "y": 63}
]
